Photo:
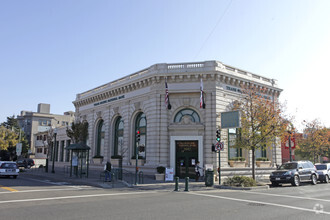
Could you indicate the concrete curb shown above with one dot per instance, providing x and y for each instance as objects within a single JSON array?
[{"x": 243, "y": 188}]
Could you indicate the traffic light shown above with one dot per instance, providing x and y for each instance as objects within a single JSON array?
[
  {"x": 138, "y": 136},
  {"x": 218, "y": 135},
  {"x": 213, "y": 148},
  {"x": 141, "y": 148}
]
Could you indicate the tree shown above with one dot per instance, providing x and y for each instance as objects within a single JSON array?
[
  {"x": 12, "y": 125},
  {"x": 315, "y": 141},
  {"x": 261, "y": 121},
  {"x": 8, "y": 138},
  {"x": 8, "y": 141},
  {"x": 78, "y": 132}
]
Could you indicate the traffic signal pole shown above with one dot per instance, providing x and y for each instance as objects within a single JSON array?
[
  {"x": 219, "y": 168},
  {"x": 218, "y": 138},
  {"x": 137, "y": 156},
  {"x": 136, "y": 163}
]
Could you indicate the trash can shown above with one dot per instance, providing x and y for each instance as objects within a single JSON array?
[{"x": 209, "y": 178}]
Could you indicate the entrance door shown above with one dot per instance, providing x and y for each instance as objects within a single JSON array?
[{"x": 186, "y": 158}]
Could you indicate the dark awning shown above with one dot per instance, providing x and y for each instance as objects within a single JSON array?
[{"x": 78, "y": 146}]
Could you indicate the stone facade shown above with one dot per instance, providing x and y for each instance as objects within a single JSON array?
[{"x": 144, "y": 92}]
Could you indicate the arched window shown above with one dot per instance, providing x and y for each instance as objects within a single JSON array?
[
  {"x": 119, "y": 136},
  {"x": 100, "y": 138},
  {"x": 194, "y": 117},
  {"x": 141, "y": 126}
]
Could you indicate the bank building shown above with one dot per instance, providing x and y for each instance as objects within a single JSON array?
[{"x": 176, "y": 110}]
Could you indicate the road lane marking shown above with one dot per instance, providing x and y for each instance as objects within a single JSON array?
[
  {"x": 9, "y": 189},
  {"x": 61, "y": 184},
  {"x": 48, "y": 190},
  {"x": 73, "y": 197},
  {"x": 259, "y": 202},
  {"x": 288, "y": 196}
]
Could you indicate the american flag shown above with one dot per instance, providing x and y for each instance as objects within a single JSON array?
[
  {"x": 202, "y": 103},
  {"x": 167, "y": 99}
]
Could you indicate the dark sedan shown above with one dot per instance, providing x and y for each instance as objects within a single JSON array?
[{"x": 25, "y": 162}]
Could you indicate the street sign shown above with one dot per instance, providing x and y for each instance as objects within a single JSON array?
[
  {"x": 18, "y": 149},
  {"x": 230, "y": 119},
  {"x": 222, "y": 146},
  {"x": 293, "y": 143},
  {"x": 219, "y": 146}
]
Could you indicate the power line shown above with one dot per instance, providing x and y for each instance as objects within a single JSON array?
[{"x": 219, "y": 20}]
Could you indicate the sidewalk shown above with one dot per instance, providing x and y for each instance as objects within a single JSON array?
[{"x": 149, "y": 182}]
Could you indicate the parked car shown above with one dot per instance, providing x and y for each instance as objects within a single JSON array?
[
  {"x": 8, "y": 169},
  {"x": 324, "y": 172},
  {"x": 25, "y": 162},
  {"x": 294, "y": 173}
]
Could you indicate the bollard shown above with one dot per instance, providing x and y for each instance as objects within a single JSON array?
[
  {"x": 186, "y": 184},
  {"x": 141, "y": 181},
  {"x": 113, "y": 179},
  {"x": 176, "y": 184}
]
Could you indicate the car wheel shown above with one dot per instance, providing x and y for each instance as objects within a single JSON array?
[
  {"x": 296, "y": 181},
  {"x": 326, "y": 179},
  {"x": 14, "y": 177},
  {"x": 314, "y": 179},
  {"x": 274, "y": 184}
]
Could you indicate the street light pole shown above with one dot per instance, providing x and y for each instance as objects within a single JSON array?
[
  {"x": 290, "y": 148},
  {"x": 54, "y": 149}
]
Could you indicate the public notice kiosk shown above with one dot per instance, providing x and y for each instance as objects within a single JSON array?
[{"x": 79, "y": 159}]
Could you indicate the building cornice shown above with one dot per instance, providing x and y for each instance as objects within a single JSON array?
[{"x": 177, "y": 72}]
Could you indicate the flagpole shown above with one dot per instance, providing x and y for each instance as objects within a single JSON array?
[
  {"x": 167, "y": 98},
  {"x": 202, "y": 101}
]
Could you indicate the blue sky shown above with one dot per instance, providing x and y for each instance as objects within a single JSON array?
[{"x": 52, "y": 50}]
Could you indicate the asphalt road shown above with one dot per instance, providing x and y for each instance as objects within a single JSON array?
[{"x": 27, "y": 198}]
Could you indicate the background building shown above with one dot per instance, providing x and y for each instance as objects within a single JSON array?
[
  {"x": 36, "y": 124},
  {"x": 176, "y": 135}
]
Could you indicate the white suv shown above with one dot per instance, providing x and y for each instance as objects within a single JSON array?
[{"x": 8, "y": 168}]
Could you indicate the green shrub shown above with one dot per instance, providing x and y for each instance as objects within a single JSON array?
[
  {"x": 237, "y": 159},
  {"x": 241, "y": 181},
  {"x": 262, "y": 159},
  {"x": 161, "y": 169},
  {"x": 116, "y": 157}
]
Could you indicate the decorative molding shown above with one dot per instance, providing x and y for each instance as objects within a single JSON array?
[
  {"x": 137, "y": 105},
  {"x": 99, "y": 114},
  {"x": 115, "y": 110},
  {"x": 175, "y": 72},
  {"x": 186, "y": 101}
]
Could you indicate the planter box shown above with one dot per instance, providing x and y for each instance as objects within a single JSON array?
[
  {"x": 237, "y": 163},
  {"x": 160, "y": 176},
  {"x": 115, "y": 162},
  {"x": 263, "y": 163},
  {"x": 140, "y": 162},
  {"x": 97, "y": 160}
]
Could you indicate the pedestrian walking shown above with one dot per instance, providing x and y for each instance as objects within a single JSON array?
[
  {"x": 107, "y": 172},
  {"x": 198, "y": 171}
]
